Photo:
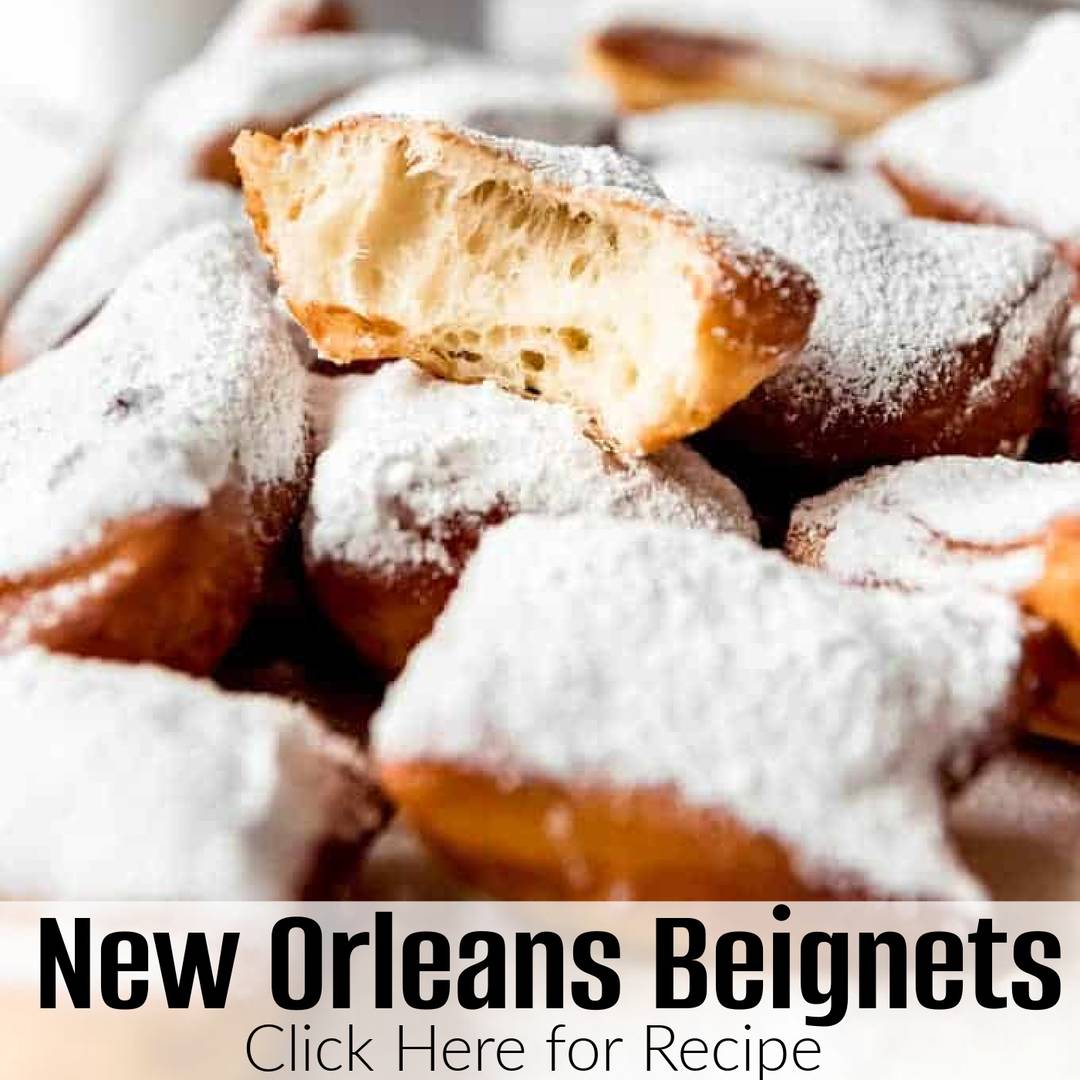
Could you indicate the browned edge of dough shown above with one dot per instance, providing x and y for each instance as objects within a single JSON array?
[
  {"x": 173, "y": 587},
  {"x": 800, "y": 449},
  {"x": 540, "y": 840}
]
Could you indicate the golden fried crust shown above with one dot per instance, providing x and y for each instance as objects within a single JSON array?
[
  {"x": 534, "y": 840},
  {"x": 1051, "y": 684},
  {"x": 1056, "y": 596},
  {"x": 172, "y": 587},
  {"x": 739, "y": 317},
  {"x": 383, "y": 615},
  {"x": 651, "y": 68},
  {"x": 386, "y": 612},
  {"x": 924, "y": 201},
  {"x": 812, "y": 450}
]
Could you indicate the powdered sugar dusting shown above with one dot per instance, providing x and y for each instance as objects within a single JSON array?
[
  {"x": 1010, "y": 145},
  {"x": 911, "y": 37},
  {"x": 410, "y": 460},
  {"x": 132, "y": 782},
  {"x": 583, "y": 168},
  {"x": 277, "y": 81},
  {"x": 488, "y": 96},
  {"x": 141, "y": 208},
  {"x": 813, "y": 712},
  {"x": 901, "y": 298},
  {"x": 942, "y": 522},
  {"x": 189, "y": 377}
]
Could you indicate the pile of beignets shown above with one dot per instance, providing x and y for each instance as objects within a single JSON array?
[{"x": 655, "y": 484}]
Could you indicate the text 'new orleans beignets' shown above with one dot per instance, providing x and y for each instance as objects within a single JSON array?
[
  {"x": 560, "y": 273},
  {"x": 929, "y": 338},
  {"x": 149, "y": 467},
  {"x": 414, "y": 470},
  {"x": 625, "y": 709},
  {"x": 1006, "y": 526},
  {"x": 131, "y": 782}
]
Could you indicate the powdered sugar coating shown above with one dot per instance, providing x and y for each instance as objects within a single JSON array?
[
  {"x": 901, "y": 298},
  {"x": 946, "y": 522},
  {"x": 904, "y": 37},
  {"x": 277, "y": 82},
  {"x": 410, "y": 460},
  {"x": 631, "y": 656},
  {"x": 690, "y": 132},
  {"x": 132, "y": 782},
  {"x": 189, "y": 378},
  {"x": 1009, "y": 146},
  {"x": 142, "y": 208},
  {"x": 581, "y": 167},
  {"x": 514, "y": 102}
]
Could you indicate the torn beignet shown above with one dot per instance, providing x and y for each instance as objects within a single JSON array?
[{"x": 560, "y": 273}]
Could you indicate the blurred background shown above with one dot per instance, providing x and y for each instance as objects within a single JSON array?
[{"x": 99, "y": 54}]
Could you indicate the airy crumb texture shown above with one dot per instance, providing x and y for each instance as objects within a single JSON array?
[
  {"x": 132, "y": 782},
  {"x": 720, "y": 129},
  {"x": 1005, "y": 149},
  {"x": 196, "y": 113},
  {"x": 496, "y": 98},
  {"x": 925, "y": 334},
  {"x": 819, "y": 715},
  {"x": 944, "y": 522},
  {"x": 410, "y": 462},
  {"x": 187, "y": 380},
  {"x": 141, "y": 209},
  {"x": 873, "y": 36},
  {"x": 253, "y": 21},
  {"x": 560, "y": 273}
]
